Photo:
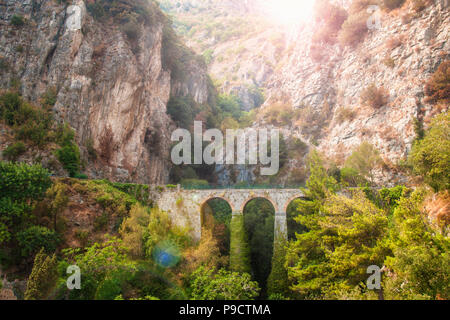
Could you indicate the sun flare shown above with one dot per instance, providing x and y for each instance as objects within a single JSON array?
[{"x": 290, "y": 11}]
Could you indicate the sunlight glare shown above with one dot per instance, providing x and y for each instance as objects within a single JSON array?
[{"x": 290, "y": 11}]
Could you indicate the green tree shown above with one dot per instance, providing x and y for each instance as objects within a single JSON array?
[
  {"x": 364, "y": 160},
  {"x": 58, "y": 200},
  {"x": 21, "y": 186},
  {"x": 43, "y": 277},
  {"x": 239, "y": 248},
  {"x": 36, "y": 237},
  {"x": 343, "y": 239},
  {"x": 259, "y": 226},
  {"x": 99, "y": 263},
  {"x": 430, "y": 157},
  {"x": 209, "y": 284},
  {"x": 420, "y": 264},
  {"x": 69, "y": 153},
  {"x": 278, "y": 282}
]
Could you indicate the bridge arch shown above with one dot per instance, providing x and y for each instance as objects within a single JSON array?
[
  {"x": 253, "y": 197},
  {"x": 292, "y": 199},
  {"x": 213, "y": 197}
]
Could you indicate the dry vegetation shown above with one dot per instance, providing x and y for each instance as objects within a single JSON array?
[{"x": 374, "y": 97}]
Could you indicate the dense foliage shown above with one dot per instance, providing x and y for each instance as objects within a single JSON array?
[{"x": 430, "y": 156}]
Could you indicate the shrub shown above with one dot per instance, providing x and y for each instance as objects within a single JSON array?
[
  {"x": 194, "y": 183},
  {"x": 81, "y": 176},
  {"x": 364, "y": 159},
  {"x": 17, "y": 20},
  {"x": 14, "y": 151},
  {"x": 21, "y": 182},
  {"x": 30, "y": 123},
  {"x": 131, "y": 30},
  {"x": 10, "y": 103},
  {"x": 207, "y": 284},
  {"x": 345, "y": 114},
  {"x": 353, "y": 30},
  {"x": 49, "y": 97},
  {"x": 351, "y": 178},
  {"x": 374, "y": 97},
  {"x": 4, "y": 66},
  {"x": 393, "y": 4},
  {"x": 281, "y": 114},
  {"x": 101, "y": 222},
  {"x": 358, "y": 6},
  {"x": 437, "y": 89},
  {"x": 31, "y": 240},
  {"x": 389, "y": 62},
  {"x": 332, "y": 17},
  {"x": 419, "y": 5},
  {"x": 91, "y": 149},
  {"x": 134, "y": 228},
  {"x": 96, "y": 10}
]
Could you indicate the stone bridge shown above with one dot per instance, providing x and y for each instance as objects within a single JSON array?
[{"x": 185, "y": 207}]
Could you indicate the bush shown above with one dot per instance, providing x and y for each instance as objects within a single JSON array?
[
  {"x": 364, "y": 159},
  {"x": 31, "y": 240},
  {"x": 49, "y": 97},
  {"x": 351, "y": 178},
  {"x": 194, "y": 183},
  {"x": 345, "y": 114},
  {"x": 393, "y": 4},
  {"x": 332, "y": 17},
  {"x": 437, "y": 89},
  {"x": 81, "y": 176},
  {"x": 14, "y": 151},
  {"x": 17, "y": 20},
  {"x": 131, "y": 30},
  {"x": 358, "y": 6},
  {"x": 353, "y": 30},
  {"x": 30, "y": 123},
  {"x": 281, "y": 114},
  {"x": 4, "y": 66},
  {"x": 21, "y": 182},
  {"x": 374, "y": 97},
  {"x": 9, "y": 105},
  {"x": 207, "y": 284},
  {"x": 419, "y": 5}
]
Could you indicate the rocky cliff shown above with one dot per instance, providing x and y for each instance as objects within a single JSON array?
[
  {"x": 399, "y": 56},
  {"x": 319, "y": 85},
  {"x": 112, "y": 74}
]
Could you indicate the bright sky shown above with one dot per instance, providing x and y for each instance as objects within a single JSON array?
[{"x": 290, "y": 11}]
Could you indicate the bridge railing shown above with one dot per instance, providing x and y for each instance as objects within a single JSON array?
[{"x": 237, "y": 187}]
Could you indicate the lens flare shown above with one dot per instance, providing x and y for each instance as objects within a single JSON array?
[
  {"x": 166, "y": 254},
  {"x": 290, "y": 11}
]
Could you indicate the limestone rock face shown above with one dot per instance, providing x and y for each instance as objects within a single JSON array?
[
  {"x": 400, "y": 57},
  {"x": 113, "y": 91}
]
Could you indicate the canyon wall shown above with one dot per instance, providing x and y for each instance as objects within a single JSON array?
[{"x": 112, "y": 89}]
